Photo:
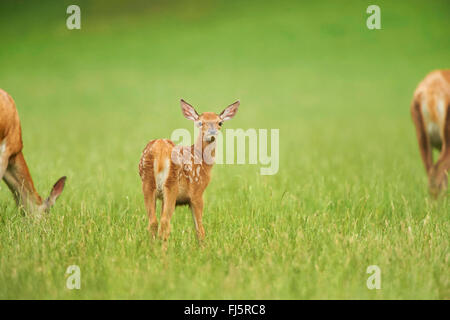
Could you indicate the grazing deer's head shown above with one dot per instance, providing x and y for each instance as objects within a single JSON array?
[
  {"x": 209, "y": 122},
  {"x": 13, "y": 167}
]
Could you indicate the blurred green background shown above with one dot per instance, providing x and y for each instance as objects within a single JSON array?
[{"x": 351, "y": 190}]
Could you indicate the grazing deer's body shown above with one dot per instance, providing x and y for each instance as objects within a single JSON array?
[
  {"x": 179, "y": 175},
  {"x": 13, "y": 168},
  {"x": 430, "y": 110}
]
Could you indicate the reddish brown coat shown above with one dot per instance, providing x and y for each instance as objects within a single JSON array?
[
  {"x": 430, "y": 112},
  {"x": 13, "y": 168},
  {"x": 179, "y": 175}
]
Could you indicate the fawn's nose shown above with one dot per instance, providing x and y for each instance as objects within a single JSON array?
[{"x": 212, "y": 132}]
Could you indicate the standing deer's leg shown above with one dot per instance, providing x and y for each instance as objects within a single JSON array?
[
  {"x": 168, "y": 207},
  {"x": 149, "y": 190},
  {"x": 439, "y": 172},
  {"x": 197, "y": 213},
  {"x": 424, "y": 143}
]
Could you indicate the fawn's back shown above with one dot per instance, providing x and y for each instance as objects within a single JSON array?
[{"x": 162, "y": 166}]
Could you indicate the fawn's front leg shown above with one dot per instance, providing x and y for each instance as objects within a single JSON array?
[{"x": 197, "y": 213}]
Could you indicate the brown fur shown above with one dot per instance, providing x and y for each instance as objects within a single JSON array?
[
  {"x": 13, "y": 167},
  {"x": 430, "y": 112},
  {"x": 186, "y": 180}
]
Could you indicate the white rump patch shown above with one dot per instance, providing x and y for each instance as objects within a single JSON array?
[
  {"x": 161, "y": 177},
  {"x": 432, "y": 128}
]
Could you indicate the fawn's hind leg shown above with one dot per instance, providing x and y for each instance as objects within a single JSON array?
[
  {"x": 149, "y": 190},
  {"x": 169, "y": 202},
  {"x": 439, "y": 172},
  {"x": 422, "y": 138}
]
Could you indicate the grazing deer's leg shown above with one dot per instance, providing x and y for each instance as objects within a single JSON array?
[
  {"x": 168, "y": 207},
  {"x": 2, "y": 169},
  {"x": 13, "y": 184},
  {"x": 424, "y": 143},
  {"x": 439, "y": 172},
  {"x": 197, "y": 213},
  {"x": 149, "y": 190},
  {"x": 3, "y": 165}
]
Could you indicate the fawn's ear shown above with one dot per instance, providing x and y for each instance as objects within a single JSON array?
[
  {"x": 56, "y": 192},
  {"x": 230, "y": 111},
  {"x": 188, "y": 111}
]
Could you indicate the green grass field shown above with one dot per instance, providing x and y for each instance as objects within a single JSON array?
[{"x": 351, "y": 190}]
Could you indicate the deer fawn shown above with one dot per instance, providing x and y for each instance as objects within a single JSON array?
[
  {"x": 179, "y": 175},
  {"x": 430, "y": 110},
  {"x": 13, "y": 168}
]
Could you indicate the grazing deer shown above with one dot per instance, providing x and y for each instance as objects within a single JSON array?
[
  {"x": 13, "y": 168},
  {"x": 430, "y": 110},
  {"x": 179, "y": 175}
]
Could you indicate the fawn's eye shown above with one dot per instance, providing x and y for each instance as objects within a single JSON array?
[
  {"x": 220, "y": 123},
  {"x": 199, "y": 123}
]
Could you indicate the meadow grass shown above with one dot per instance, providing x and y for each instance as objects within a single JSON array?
[{"x": 351, "y": 190}]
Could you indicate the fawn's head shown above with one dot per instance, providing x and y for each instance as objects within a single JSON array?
[{"x": 209, "y": 122}]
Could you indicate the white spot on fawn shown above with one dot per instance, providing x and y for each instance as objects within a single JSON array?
[
  {"x": 188, "y": 167},
  {"x": 197, "y": 171}
]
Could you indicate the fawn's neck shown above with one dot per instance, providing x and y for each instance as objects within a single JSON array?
[{"x": 204, "y": 152}]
